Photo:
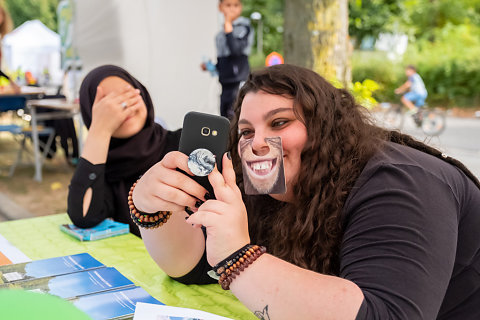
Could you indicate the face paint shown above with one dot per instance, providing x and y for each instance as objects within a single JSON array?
[
  {"x": 201, "y": 162},
  {"x": 263, "y": 174}
]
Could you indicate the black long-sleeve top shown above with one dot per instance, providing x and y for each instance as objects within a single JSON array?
[
  {"x": 411, "y": 239},
  {"x": 104, "y": 203}
]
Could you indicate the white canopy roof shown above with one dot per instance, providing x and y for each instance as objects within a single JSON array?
[
  {"x": 32, "y": 34},
  {"x": 33, "y": 47}
]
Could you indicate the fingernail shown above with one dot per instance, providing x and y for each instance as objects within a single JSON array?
[
  {"x": 229, "y": 155},
  {"x": 188, "y": 211},
  {"x": 198, "y": 204},
  {"x": 208, "y": 196}
]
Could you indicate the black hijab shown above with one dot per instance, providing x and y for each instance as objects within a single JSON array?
[{"x": 128, "y": 158}]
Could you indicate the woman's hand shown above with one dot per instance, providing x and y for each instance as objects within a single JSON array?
[
  {"x": 225, "y": 218},
  {"x": 108, "y": 111},
  {"x": 163, "y": 188}
]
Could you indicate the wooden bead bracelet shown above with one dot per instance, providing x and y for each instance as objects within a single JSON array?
[
  {"x": 143, "y": 219},
  {"x": 232, "y": 270}
]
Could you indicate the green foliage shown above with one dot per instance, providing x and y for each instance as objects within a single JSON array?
[
  {"x": 375, "y": 65},
  {"x": 257, "y": 61},
  {"x": 363, "y": 92},
  {"x": 425, "y": 17},
  {"x": 272, "y": 21},
  {"x": 24, "y": 10},
  {"x": 369, "y": 18},
  {"x": 449, "y": 66},
  {"x": 444, "y": 44}
]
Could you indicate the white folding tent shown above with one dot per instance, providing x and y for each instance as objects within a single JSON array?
[
  {"x": 161, "y": 42},
  {"x": 32, "y": 47}
]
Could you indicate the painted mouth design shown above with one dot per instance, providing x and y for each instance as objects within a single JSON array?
[{"x": 262, "y": 168}]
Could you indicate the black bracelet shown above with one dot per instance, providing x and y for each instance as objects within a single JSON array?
[
  {"x": 143, "y": 219},
  {"x": 220, "y": 267}
]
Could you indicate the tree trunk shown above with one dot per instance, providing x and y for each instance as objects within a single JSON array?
[{"x": 316, "y": 37}]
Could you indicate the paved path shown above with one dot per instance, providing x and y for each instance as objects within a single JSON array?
[
  {"x": 9, "y": 210},
  {"x": 461, "y": 140}
]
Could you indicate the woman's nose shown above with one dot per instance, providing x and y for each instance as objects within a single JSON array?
[{"x": 259, "y": 145}]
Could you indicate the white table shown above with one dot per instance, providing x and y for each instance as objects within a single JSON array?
[{"x": 62, "y": 110}]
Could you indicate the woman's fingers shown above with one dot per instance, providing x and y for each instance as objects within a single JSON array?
[
  {"x": 128, "y": 93},
  {"x": 216, "y": 206},
  {"x": 216, "y": 180},
  {"x": 133, "y": 103},
  {"x": 227, "y": 171},
  {"x": 176, "y": 159},
  {"x": 224, "y": 184},
  {"x": 180, "y": 180},
  {"x": 99, "y": 95},
  {"x": 158, "y": 204},
  {"x": 177, "y": 194},
  {"x": 204, "y": 218}
]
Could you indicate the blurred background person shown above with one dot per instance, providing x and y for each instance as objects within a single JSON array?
[{"x": 234, "y": 43}]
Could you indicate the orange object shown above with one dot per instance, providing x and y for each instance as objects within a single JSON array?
[
  {"x": 4, "y": 260},
  {"x": 273, "y": 59},
  {"x": 29, "y": 79}
]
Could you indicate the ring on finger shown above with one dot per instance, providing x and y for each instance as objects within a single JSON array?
[{"x": 124, "y": 105}]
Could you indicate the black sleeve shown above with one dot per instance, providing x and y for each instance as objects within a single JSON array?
[
  {"x": 399, "y": 244},
  {"x": 88, "y": 175},
  {"x": 2, "y": 74},
  {"x": 237, "y": 40},
  {"x": 198, "y": 275}
]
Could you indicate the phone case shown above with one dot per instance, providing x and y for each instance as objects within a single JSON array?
[{"x": 207, "y": 131}]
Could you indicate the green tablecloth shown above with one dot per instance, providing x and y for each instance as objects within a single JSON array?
[{"x": 41, "y": 238}]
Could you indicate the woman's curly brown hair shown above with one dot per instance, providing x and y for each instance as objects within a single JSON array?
[{"x": 340, "y": 142}]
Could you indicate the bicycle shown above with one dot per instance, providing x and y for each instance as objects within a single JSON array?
[{"x": 431, "y": 121}]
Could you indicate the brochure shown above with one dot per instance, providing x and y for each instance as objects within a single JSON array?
[
  {"x": 145, "y": 311},
  {"x": 47, "y": 267},
  {"x": 69, "y": 286},
  {"x": 105, "y": 229},
  {"x": 116, "y": 304},
  {"x": 10, "y": 254}
]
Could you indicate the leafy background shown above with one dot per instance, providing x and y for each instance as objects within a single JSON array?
[{"x": 444, "y": 42}]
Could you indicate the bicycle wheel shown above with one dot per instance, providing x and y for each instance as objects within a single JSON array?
[
  {"x": 433, "y": 122},
  {"x": 393, "y": 118}
]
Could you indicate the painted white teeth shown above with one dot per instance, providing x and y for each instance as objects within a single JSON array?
[{"x": 262, "y": 165}]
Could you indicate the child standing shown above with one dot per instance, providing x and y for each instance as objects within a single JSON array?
[{"x": 234, "y": 43}]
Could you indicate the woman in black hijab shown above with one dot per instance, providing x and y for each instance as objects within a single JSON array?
[{"x": 123, "y": 142}]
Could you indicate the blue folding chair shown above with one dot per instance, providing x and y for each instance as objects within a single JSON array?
[{"x": 14, "y": 103}]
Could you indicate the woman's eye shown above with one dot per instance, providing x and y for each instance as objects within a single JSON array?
[
  {"x": 279, "y": 123},
  {"x": 245, "y": 133}
]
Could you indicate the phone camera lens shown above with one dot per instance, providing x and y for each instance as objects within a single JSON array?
[{"x": 205, "y": 131}]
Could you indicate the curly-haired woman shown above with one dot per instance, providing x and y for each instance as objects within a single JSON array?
[{"x": 374, "y": 225}]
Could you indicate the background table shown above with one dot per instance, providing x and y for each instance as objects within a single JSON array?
[
  {"x": 41, "y": 238},
  {"x": 62, "y": 109}
]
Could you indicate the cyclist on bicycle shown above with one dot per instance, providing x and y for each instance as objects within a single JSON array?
[{"x": 416, "y": 93}]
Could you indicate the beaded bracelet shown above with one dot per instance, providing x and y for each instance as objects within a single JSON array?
[
  {"x": 143, "y": 219},
  {"x": 232, "y": 269},
  {"x": 226, "y": 263}
]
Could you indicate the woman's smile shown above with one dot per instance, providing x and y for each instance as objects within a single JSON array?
[{"x": 262, "y": 169}]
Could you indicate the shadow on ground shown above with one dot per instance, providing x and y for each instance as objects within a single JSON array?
[{"x": 38, "y": 198}]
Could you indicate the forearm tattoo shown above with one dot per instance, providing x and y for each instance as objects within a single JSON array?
[{"x": 263, "y": 315}]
